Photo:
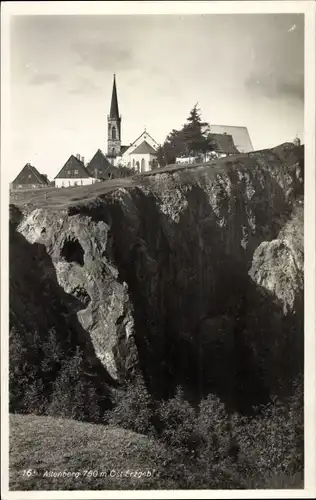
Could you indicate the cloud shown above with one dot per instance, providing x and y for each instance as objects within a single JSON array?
[
  {"x": 43, "y": 78},
  {"x": 274, "y": 85},
  {"x": 100, "y": 55},
  {"x": 83, "y": 86}
]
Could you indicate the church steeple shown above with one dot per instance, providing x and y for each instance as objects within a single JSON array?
[
  {"x": 114, "y": 111},
  {"x": 114, "y": 127}
]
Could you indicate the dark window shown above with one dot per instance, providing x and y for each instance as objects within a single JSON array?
[{"x": 113, "y": 133}]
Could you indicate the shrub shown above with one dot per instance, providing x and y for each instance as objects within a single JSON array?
[
  {"x": 133, "y": 409},
  {"x": 176, "y": 419},
  {"x": 272, "y": 444},
  {"x": 73, "y": 396},
  {"x": 213, "y": 428}
]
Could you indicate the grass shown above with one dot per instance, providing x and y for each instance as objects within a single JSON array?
[{"x": 55, "y": 445}]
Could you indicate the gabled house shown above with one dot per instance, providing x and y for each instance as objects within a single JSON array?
[
  {"x": 73, "y": 173},
  {"x": 100, "y": 168},
  {"x": 29, "y": 178}
]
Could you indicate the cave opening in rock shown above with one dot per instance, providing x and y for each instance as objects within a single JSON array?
[{"x": 72, "y": 251}]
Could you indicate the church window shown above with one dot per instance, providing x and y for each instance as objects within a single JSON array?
[
  {"x": 113, "y": 151},
  {"x": 113, "y": 133},
  {"x": 76, "y": 171},
  {"x": 143, "y": 165}
]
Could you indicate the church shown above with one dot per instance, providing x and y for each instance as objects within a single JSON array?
[{"x": 140, "y": 155}]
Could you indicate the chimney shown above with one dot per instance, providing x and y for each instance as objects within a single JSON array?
[
  {"x": 78, "y": 156},
  {"x": 82, "y": 159}
]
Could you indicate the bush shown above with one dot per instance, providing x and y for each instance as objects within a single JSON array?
[
  {"x": 48, "y": 378},
  {"x": 213, "y": 428},
  {"x": 272, "y": 444},
  {"x": 176, "y": 419},
  {"x": 133, "y": 409}
]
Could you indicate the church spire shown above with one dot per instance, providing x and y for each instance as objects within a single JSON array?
[
  {"x": 114, "y": 111},
  {"x": 114, "y": 127}
]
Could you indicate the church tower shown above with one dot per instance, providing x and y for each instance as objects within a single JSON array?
[{"x": 114, "y": 127}]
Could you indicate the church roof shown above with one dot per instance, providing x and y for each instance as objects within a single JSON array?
[
  {"x": 73, "y": 169},
  {"x": 114, "y": 110},
  {"x": 100, "y": 167},
  {"x": 123, "y": 149},
  {"x": 145, "y": 133},
  {"x": 223, "y": 143},
  {"x": 30, "y": 175},
  {"x": 144, "y": 148}
]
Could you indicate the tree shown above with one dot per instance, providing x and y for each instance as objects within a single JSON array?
[
  {"x": 191, "y": 140},
  {"x": 195, "y": 134},
  {"x": 173, "y": 146}
]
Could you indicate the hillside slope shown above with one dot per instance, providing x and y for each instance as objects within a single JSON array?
[{"x": 66, "y": 455}]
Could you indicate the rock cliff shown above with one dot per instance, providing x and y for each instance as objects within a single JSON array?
[{"x": 191, "y": 276}]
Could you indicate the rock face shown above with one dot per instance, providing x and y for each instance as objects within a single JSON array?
[
  {"x": 156, "y": 273},
  {"x": 278, "y": 265}
]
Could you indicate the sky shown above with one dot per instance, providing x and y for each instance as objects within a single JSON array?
[{"x": 241, "y": 69}]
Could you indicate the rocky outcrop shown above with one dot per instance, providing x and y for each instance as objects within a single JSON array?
[
  {"x": 157, "y": 270},
  {"x": 278, "y": 265}
]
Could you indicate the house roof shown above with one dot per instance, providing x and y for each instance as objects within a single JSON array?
[
  {"x": 100, "y": 166},
  {"x": 144, "y": 148},
  {"x": 123, "y": 149},
  {"x": 240, "y": 136},
  {"x": 30, "y": 175},
  {"x": 73, "y": 168},
  {"x": 223, "y": 143}
]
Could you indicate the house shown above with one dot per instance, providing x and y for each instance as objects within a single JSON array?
[
  {"x": 74, "y": 173},
  {"x": 100, "y": 167},
  {"x": 29, "y": 178},
  {"x": 240, "y": 136}
]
